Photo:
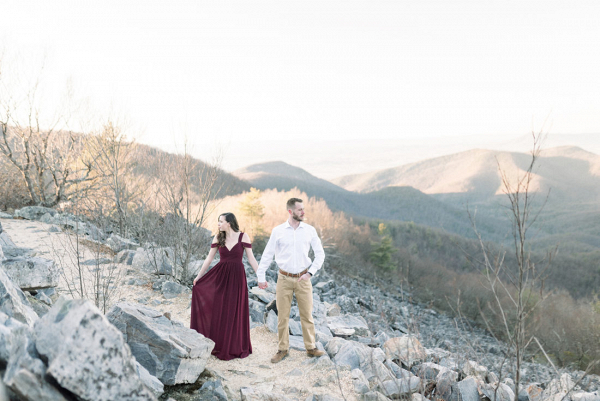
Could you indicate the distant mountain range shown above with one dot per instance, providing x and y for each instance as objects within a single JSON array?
[{"x": 437, "y": 192}]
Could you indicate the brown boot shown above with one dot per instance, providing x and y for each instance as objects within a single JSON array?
[
  {"x": 279, "y": 356},
  {"x": 314, "y": 352}
]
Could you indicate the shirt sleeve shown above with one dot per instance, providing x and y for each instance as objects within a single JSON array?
[
  {"x": 315, "y": 243},
  {"x": 267, "y": 257}
]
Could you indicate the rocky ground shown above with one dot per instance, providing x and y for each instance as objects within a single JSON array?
[{"x": 380, "y": 345}]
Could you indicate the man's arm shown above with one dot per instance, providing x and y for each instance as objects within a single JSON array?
[
  {"x": 266, "y": 258},
  {"x": 315, "y": 243}
]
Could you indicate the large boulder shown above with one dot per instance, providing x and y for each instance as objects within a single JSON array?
[
  {"x": 26, "y": 374},
  {"x": 13, "y": 301},
  {"x": 153, "y": 260},
  {"x": 466, "y": 390},
  {"x": 86, "y": 354},
  {"x": 118, "y": 244},
  {"x": 400, "y": 388},
  {"x": 341, "y": 325},
  {"x": 406, "y": 349},
  {"x": 32, "y": 273},
  {"x": 34, "y": 212},
  {"x": 171, "y": 289},
  {"x": 168, "y": 350}
]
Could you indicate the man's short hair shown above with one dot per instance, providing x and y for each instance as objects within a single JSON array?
[{"x": 291, "y": 203}]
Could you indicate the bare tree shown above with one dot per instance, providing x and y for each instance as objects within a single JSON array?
[
  {"x": 44, "y": 150},
  {"x": 517, "y": 290}
]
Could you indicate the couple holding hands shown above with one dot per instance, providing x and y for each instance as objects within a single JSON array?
[{"x": 220, "y": 296}]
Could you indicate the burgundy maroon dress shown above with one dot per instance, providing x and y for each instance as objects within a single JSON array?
[{"x": 220, "y": 304}]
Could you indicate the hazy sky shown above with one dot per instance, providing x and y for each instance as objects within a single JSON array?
[{"x": 311, "y": 71}]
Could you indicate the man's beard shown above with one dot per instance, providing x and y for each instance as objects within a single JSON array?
[{"x": 297, "y": 218}]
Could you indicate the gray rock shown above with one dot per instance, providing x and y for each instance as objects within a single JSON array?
[
  {"x": 295, "y": 328},
  {"x": 582, "y": 396},
  {"x": 32, "y": 273},
  {"x": 26, "y": 373},
  {"x": 153, "y": 260},
  {"x": 125, "y": 257},
  {"x": 445, "y": 382},
  {"x": 48, "y": 291},
  {"x": 95, "y": 233},
  {"x": 502, "y": 393},
  {"x": 170, "y": 351},
  {"x": 47, "y": 218},
  {"x": 297, "y": 343},
  {"x": 5, "y": 215},
  {"x": 40, "y": 308},
  {"x": 472, "y": 368},
  {"x": 406, "y": 349},
  {"x": 13, "y": 301},
  {"x": 7, "y": 325},
  {"x": 359, "y": 381},
  {"x": 558, "y": 388},
  {"x": 171, "y": 289},
  {"x": 272, "y": 322},
  {"x": 151, "y": 382},
  {"x": 334, "y": 310},
  {"x": 374, "y": 396},
  {"x": 117, "y": 243},
  {"x": 86, "y": 354},
  {"x": 0, "y": 227},
  {"x": 34, "y": 212},
  {"x": 6, "y": 241},
  {"x": 428, "y": 370},
  {"x": 346, "y": 323},
  {"x": 54, "y": 229},
  {"x": 257, "y": 311},
  {"x": 96, "y": 262},
  {"x": 261, "y": 295},
  {"x": 351, "y": 353},
  {"x": 211, "y": 391},
  {"x": 397, "y": 388},
  {"x": 466, "y": 390},
  {"x": 324, "y": 286}
]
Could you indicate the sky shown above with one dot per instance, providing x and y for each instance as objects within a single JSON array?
[{"x": 238, "y": 75}]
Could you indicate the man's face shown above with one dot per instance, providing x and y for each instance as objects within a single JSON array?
[{"x": 297, "y": 212}]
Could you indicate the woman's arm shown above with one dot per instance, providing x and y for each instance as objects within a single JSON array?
[
  {"x": 250, "y": 254},
  {"x": 207, "y": 261}
]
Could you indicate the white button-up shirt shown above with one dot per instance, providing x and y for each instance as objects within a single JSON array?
[{"x": 290, "y": 248}]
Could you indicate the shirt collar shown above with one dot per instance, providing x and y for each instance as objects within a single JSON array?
[{"x": 288, "y": 225}]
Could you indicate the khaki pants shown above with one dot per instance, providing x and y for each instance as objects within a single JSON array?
[{"x": 286, "y": 287}]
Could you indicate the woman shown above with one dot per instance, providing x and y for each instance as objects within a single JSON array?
[{"x": 220, "y": 297}]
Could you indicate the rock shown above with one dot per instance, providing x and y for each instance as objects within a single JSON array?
[
  {"x": 167, "y": 349},
  {"x": 374, "y": 396},
  {"x": 125, "y": 257},
  {"x": 347, "y": 305},
  {"x": 445, "y": 382},
  {"x": 26, "y": 374},
  {"x": 334, "y": 310},
  {"x": 272, "y": 322},
  {"x": 7, "y": 326},
  {"x": 324, "y": 286},
  {"x": 595, "y": 396},
  {"x": 397, "y": 388},
  {"x": 171, "y": 289},
  {"x": 97, "y": 262},
  {"x": 428, "y": 370},
  {"x": 6, "y": 242},
  {"x": 466, "y": 390},
  {"x": 5, "y": 215},
  {"x": 54, "y": 229},
  {"x": 151, "y": 382},
  {"x": 557, "y": 389},
  {"x": 340, "y": 325},
  {"x": 295, "y": 328},
  {"x": 13, "y": 301},
  {"x": 153, "y": 260},
  {"x": 211, "y": 391},
  {"x": 47, "y": 218},
  {"x": 118, "y": 244},
  {"x": 34, "y": 212},
  {"x": 95, "y": 233},
  {"x": 472, "y": 368},
  {"x": 534, "y": 392},
  {"x": 32, "y": 273},
  {"x": 360, "y": 382},
  {"x": 257, "y": 311},
  {"x": 350, "y": 354},
  {"x": 406, "y": 349},
  {"x": 261, "y": 295},
  {"x": 502, "y": 393},
  {"x": 323, "y": 397},
  {"x": 0, "y": 227},
  {"x": 40, "y": 308},
  {"x": 86, "y": 354}
]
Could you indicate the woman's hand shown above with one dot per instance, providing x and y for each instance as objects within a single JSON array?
[{"x": 196, "y": 279}]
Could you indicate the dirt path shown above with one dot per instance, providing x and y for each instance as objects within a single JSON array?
[{"x": 297, "y": 376}]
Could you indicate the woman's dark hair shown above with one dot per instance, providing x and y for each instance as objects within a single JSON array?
[{"x": 230, "y": 218}]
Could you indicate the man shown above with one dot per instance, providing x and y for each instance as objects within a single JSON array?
[{"x": 290, "y": 243}]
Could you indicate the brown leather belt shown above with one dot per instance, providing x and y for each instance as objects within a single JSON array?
[{"x": 293, "y": 275}]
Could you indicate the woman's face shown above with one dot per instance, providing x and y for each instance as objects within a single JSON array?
[{"x": 223, "y": 224}]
